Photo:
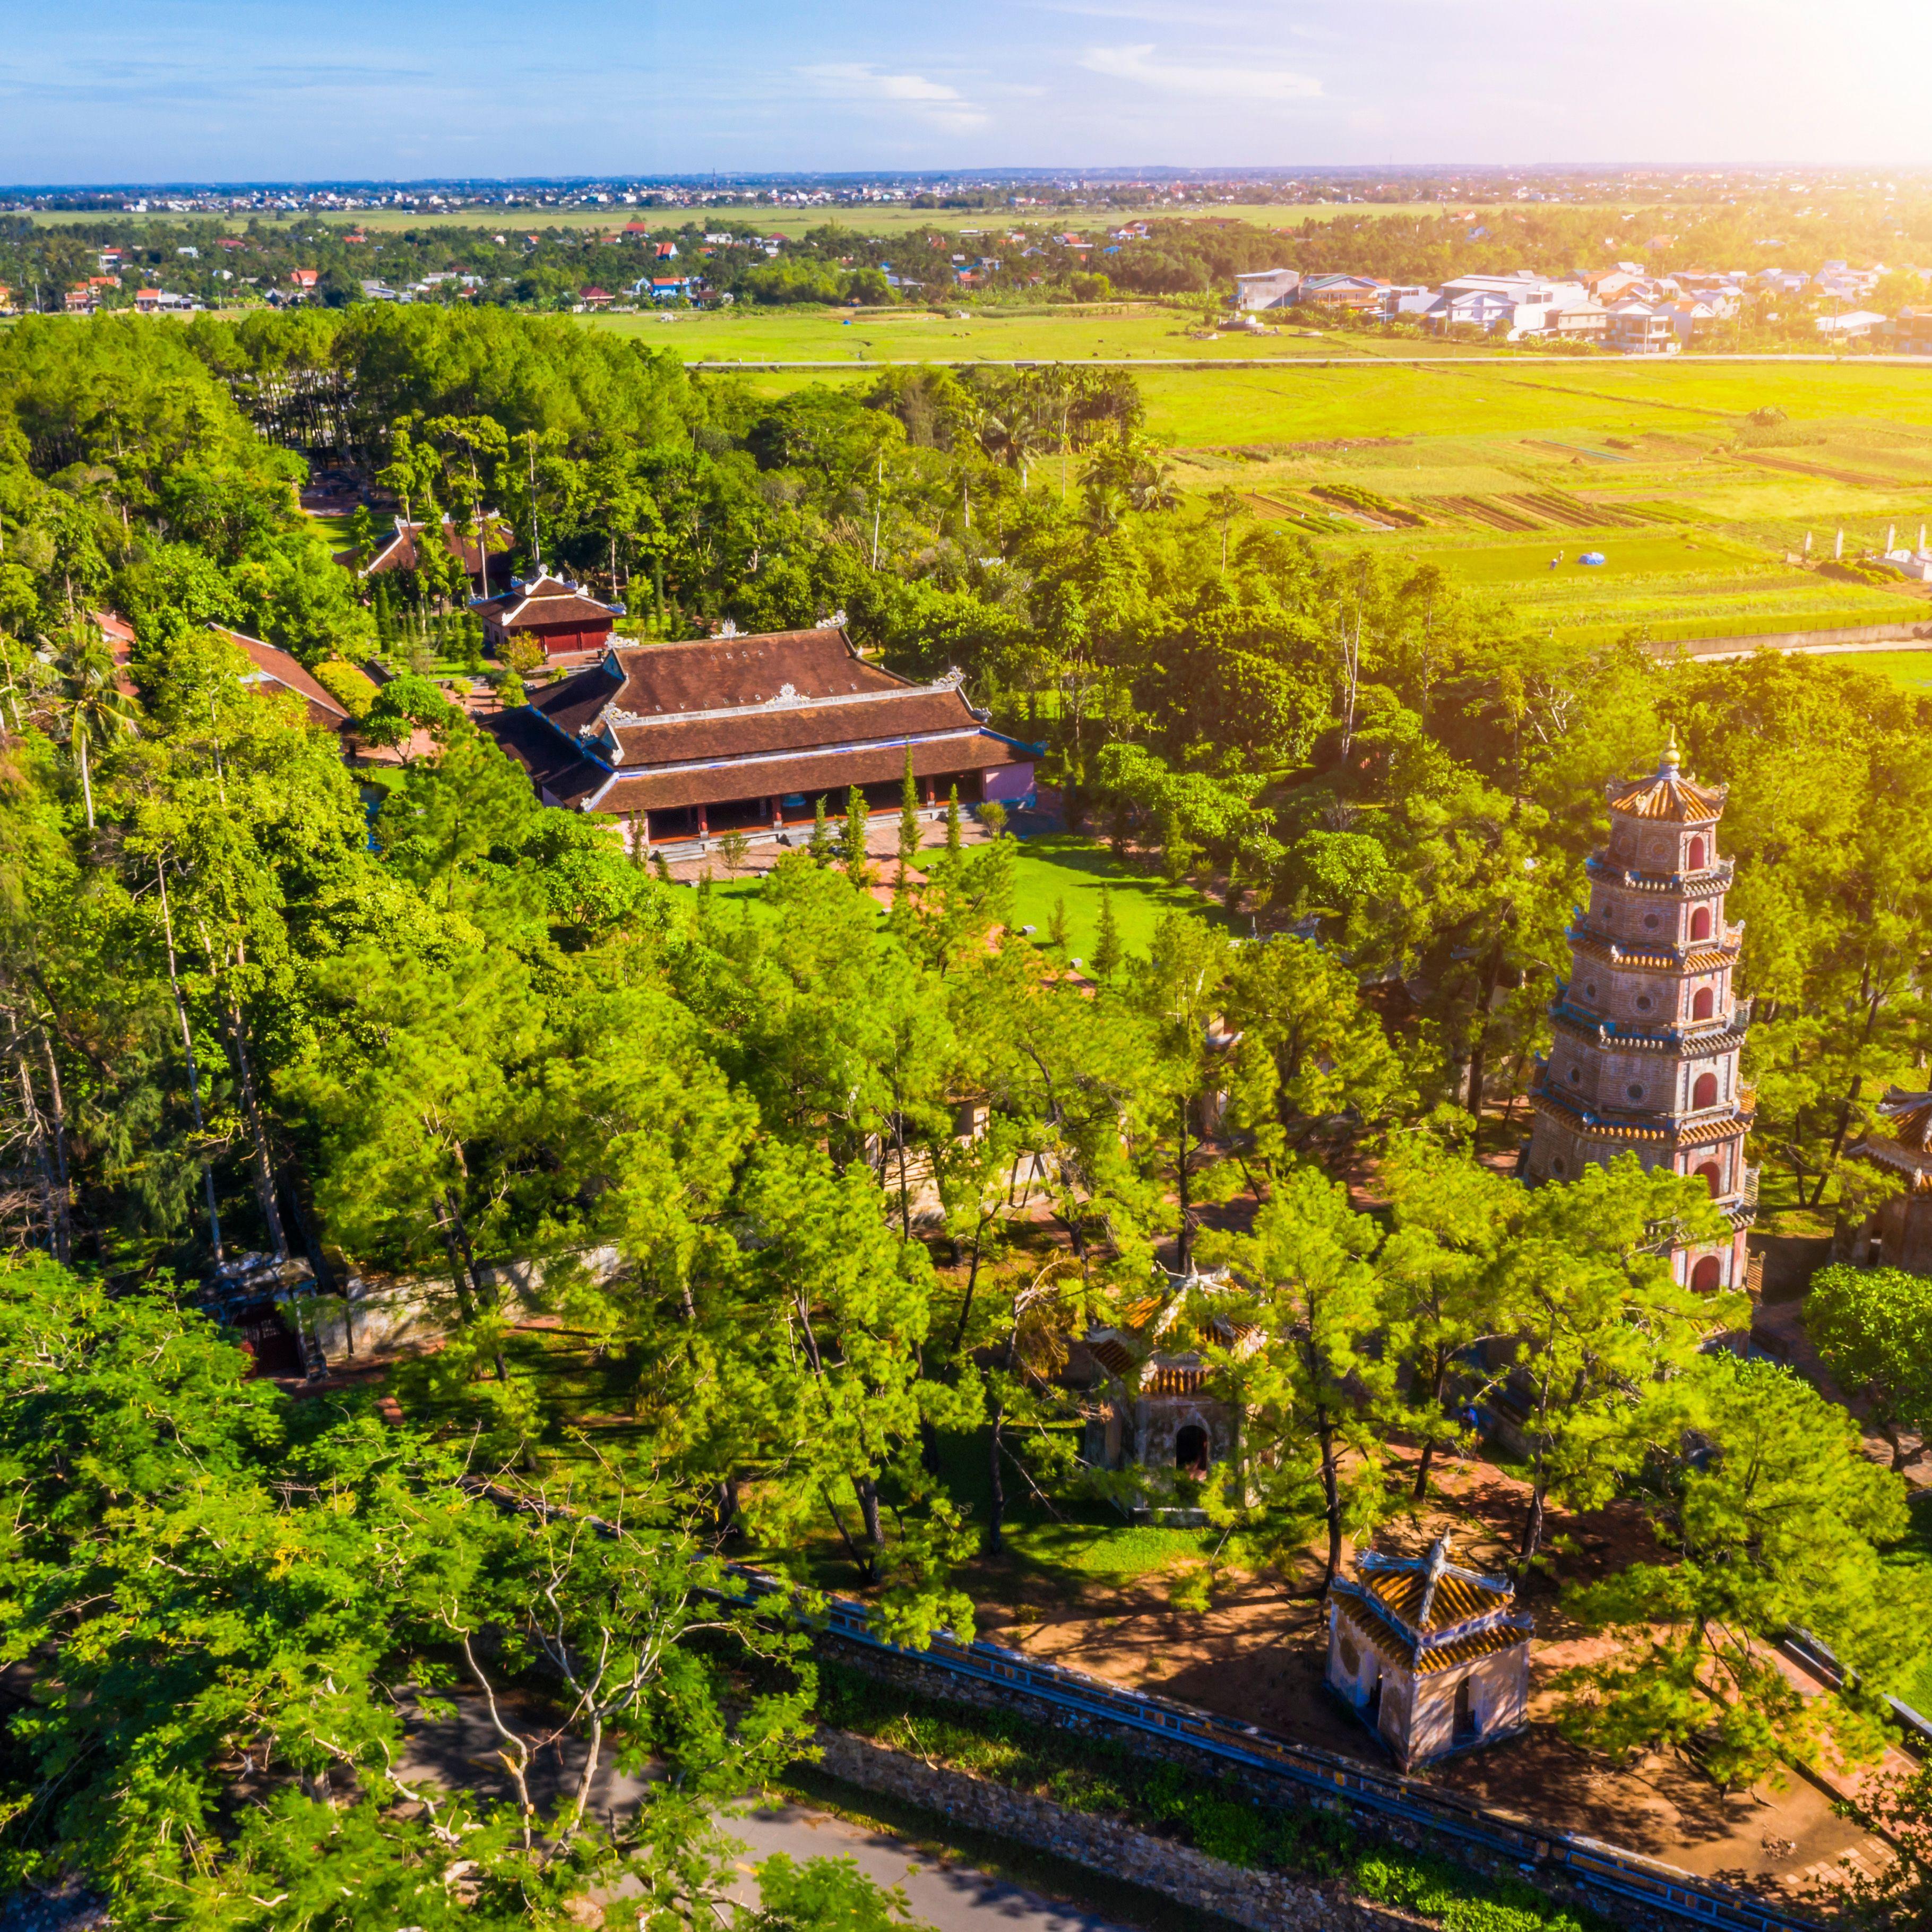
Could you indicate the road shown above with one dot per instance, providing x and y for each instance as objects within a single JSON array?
[
  {"x": 459, "y": 1750},
  {"x": 954, "y": 1896}
]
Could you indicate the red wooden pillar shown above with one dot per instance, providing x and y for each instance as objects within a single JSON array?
[
  {"x": 776, "y": 805},
  {"x": 703, "y": 824}
]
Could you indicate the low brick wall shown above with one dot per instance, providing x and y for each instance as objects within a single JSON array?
[
  {"x": 1267, "y": 1901},
  {"x": 909, "y": 1674}
]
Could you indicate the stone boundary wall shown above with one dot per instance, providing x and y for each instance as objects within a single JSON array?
[
  {"x": 1853, "y": 637},
  {"x": 1265, "y": 1901},
  {"x": 942, "y": 1687}
]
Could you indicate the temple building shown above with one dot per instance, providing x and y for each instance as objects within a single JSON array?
[
  {"x": 1152, "y": 1398},
  {"x": 1429, "y": 1656},
  {"x": 1647, "y": 1030},
  {"x": 688, "y": 741},
  {"x": 559, "y": 617},
  {"x": 1901, "y": 1228},
  {"x": 401, "y": 550}
]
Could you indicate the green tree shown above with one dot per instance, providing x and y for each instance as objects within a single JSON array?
[
  {"x": 853, "y": 838},
  {"x": 1872, "y": 1329},
  {"x": 1760, "y": 1490},
  {"x": 1586, "y": 1291},
  {"x": 1312, "y": 1380},
  {"x": 1108, "y": 952},
  {"x": 820, "y": 848},
  {"x": 953, "y": 820},
  {"x": 909, "y": 825},
  {"x": 96, "y": 711}
]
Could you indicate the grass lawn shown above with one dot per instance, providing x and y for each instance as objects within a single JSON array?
[
  {"x": 1910, "y": 670},
  {"x": 1079, "y": 871},
  {"x": 809, "y": 333}
]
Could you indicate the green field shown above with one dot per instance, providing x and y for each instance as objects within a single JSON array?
[
  {"x": 1101, "y": 332},
  {"x": 878, "y": 219}
]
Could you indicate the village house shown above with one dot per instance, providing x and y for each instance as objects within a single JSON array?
[
  {"x": 559, "y": 615},
  {"x": 1429, "y": 1656},
  {"x": 688, "y": 740},
  {"x": 400, "y": 550},
  {"x": 1643, "y": 328},
  {"x": 1512, "y": 306},
  {"x": 1852, "y": 327},
  {"x": 1354, "y": 292},
  {"x": 1911, "y": 332},
  {"x": 1268, "y": 288}
]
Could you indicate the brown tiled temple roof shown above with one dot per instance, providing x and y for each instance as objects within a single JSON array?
[
  {"x": 401, "y": 551},
  {"x": 276, "y": 670},
  {"x": 675, "y": 740},
  {"x": 829, "y": 773},
  {"x": 1397, "y": 1648},
  {"x": 1907, "y": 1149},
  {"x": 545, "y": 600}
]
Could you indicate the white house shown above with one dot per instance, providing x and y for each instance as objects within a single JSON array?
[
  {"x": 1512, "y": 305},
  {"x": 1643, "y": 328},
  {"x": 1858, "y": 322},
  {"x": 1271, "y": 288}
]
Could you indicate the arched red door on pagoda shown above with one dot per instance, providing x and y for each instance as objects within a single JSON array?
[
  {"x": 1703, "y": 1004},
  {"x": 1697, "y": 855},
  {"x": 1704, "y": 1277},
  {"x": 1705, "y": 1093},
  {"x": 1700, "y": 923},
  {"x": 1712, "y": 1176}
]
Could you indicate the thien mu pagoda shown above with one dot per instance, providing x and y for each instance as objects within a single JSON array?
[
  {"x": 1647, "y": 1031},
  {"x": 688, "y": 740}
]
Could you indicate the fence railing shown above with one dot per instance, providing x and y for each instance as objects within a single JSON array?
[{"x": 1310, "y": 1773}]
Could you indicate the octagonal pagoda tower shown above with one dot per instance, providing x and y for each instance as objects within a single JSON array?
[{"x": 1644, "y": 1058}]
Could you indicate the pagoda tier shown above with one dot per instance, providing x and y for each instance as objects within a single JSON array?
[{"x": 1646, "y": 1033}]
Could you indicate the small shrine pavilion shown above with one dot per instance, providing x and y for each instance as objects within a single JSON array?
[
  {"x": 1152, "y": 1396},
  {"x": 1429, "y": 1655},
  {"x": 1645, "y": 1033}
]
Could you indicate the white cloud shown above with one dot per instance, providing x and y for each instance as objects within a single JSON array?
[
  {"x": 1225, "y": 83},
  {"x": 932, "y": 100}
]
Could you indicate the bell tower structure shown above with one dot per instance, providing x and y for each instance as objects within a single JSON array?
[{"x": 1647, "y": 1030}]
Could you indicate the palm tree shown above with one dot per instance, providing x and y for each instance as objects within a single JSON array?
[{"x": 98, "y": 711}]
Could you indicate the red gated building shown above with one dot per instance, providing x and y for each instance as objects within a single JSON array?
[
  {"x": 689, "y": 741},
  {"x": 551, "y": 611},
  {"x": 1646, "y": 1034}
]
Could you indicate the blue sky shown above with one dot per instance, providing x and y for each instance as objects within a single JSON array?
[{"x": 137, "y": 90}]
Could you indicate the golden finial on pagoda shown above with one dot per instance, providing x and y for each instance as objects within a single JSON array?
[{"x": 1671, "y": 760}]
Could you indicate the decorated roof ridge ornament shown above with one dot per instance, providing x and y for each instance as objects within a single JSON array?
[
  {"x": 1438, "y": 1562},
  {"x": 1667, "y": 793}
]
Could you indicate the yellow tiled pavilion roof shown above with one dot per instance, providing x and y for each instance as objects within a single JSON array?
[{"x": 1666, "y": 794}]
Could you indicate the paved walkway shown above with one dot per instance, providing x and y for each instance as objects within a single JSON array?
[{"x": 952, "y": 1895}]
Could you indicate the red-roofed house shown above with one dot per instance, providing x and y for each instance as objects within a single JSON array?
[
  {"x": 275, "y": 673},
  {"x": 594, "y": 297},
  {"x": 399, "y": 553},
  {"x": 558, "y": 615},
  {"x": 303, "y": 278}
]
